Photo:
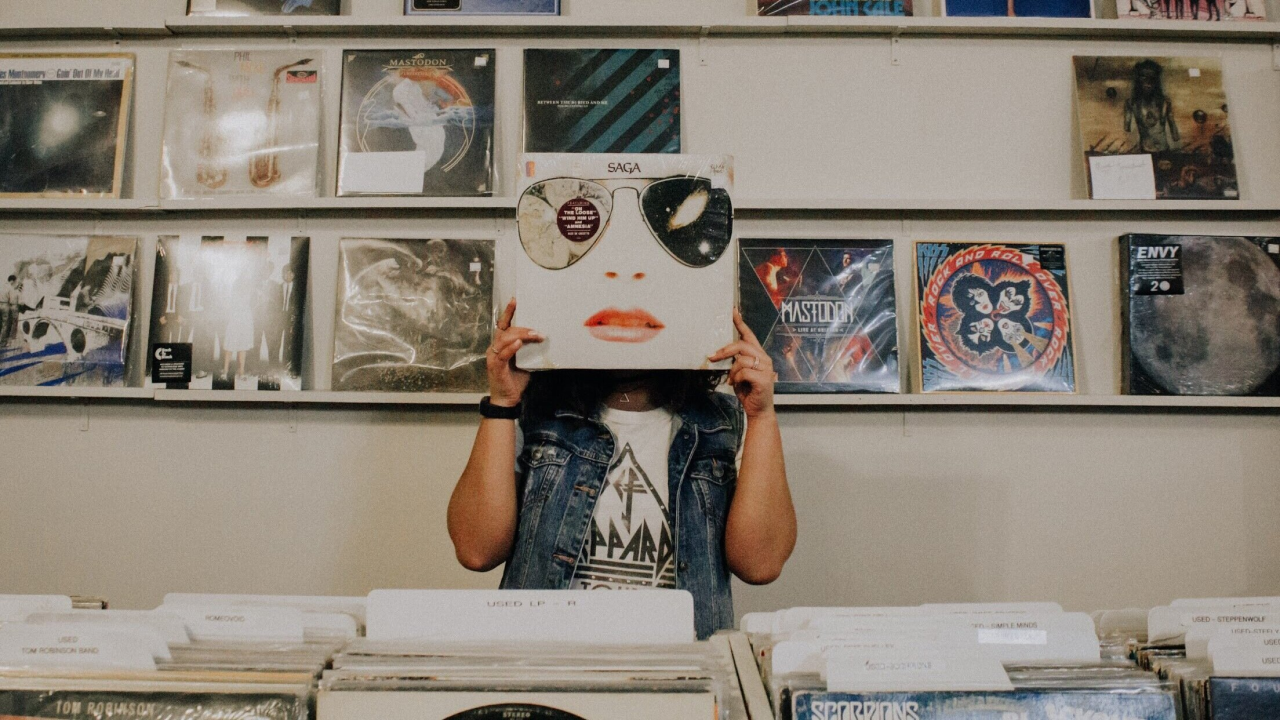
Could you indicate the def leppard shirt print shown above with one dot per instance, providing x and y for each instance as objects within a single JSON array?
[{"x": 630, "y": 546}]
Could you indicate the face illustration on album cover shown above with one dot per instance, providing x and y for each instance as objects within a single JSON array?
[{"x": 238, "y": 302}]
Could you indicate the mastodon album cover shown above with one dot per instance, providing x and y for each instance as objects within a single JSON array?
[
  {"x": 1200, "y": 315},
  {"x": 417, "y": 122},
  {"x": 64, "y": 120},
  {"x": 1207, "y": 11},
  {"x": 833, "y": 7},
  {"x": 1172, "y": 110},
  {"x": 482, "y": 7},
  {"x": 994, "y": 316},
  {"x": 264, "y": 7},
  {"x": 238, "y": 302},
  {"x": 601, "y": 101},
  {"x": 824, "y": 310},
  {"x": 463, "y": 704},
  {"x": 413, "y": 315},
  {"x": 241, "y": 122},
  {"x": 66, "y": 304}
]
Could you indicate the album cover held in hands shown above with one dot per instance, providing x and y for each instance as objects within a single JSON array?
[
  {"x": 482, "y": 7},
  {"x": 825, "y": 312},
  {"x": 1200, "y": 315},
  {"x": 833, "y": 7},
  {"x": 417, "y": 122},
  {"x": 63, "y": 124},
  {"x": 413, "y": 315},
  {"x": 238, "y": 302},
  {"x": 241, "y": 122},
  {"x": 601, "y": 101},
  {"x": 1171, "y": 110},
  {"x": 264, "y": 7},
  {"x": 994, "y": 316},
  {"x": 65, "y": 308}
]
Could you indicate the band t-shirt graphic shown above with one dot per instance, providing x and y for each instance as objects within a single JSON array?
[{"x": 630, "y": 542}]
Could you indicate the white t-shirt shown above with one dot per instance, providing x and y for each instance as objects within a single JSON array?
[{"x": 629, "y": 545}]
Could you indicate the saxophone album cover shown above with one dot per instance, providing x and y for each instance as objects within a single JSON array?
[
  {"x": 64, "y": 120},
  {"x": 417, "y": 122},
  {"x": 241, "y": 122},
  {"x": 824, "y": 310},
  {"x": 413, "y": 315}
]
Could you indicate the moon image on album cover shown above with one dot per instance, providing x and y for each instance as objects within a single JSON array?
[
  {"x": 413, "y": 315},
  {"x": 514, "y": 711},
  {"x": 994, "y": 317},
  {"x": 1221, "y": 335}
]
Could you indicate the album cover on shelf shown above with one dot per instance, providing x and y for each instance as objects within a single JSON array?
[
  {"x": 413, "y": 315},
  {"x": 1208, "y": 11},
  {"x": 64, "y": 120},
  {"x": 464, "y": 704},
  {"x": 417, "y": 122},
  {"x": 482, "y": 7},
  {"x": 825, "y": 312},
  {"x": 994, "y": 316},
  {"x": 1200, "y": 315},
  {"x": 205, "y": 701},
  {"x": 237, "y": 303},
  {"x": 833, "y": 7},
  {"x": 1155, "y": 128},
  {"x": 625, "y": 260},
  {"x": 241, "y": 122},
  {"x": 601, "y": 101},
  {"x": 65, "y": 308},
  {"x": 1024, "y": 705},
  {"x": 1019, "y": 8},
  {"x": 264, "y": 7}
]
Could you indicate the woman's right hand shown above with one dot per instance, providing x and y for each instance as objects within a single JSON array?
[{"x": 507, "y": 382}]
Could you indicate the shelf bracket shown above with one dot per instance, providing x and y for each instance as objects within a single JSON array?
[
  {"x": 1275, "y": 56},
  {"x": 84, "y": 415},
  {"x": 290, "y": 32},
  {"x": 293, "y": 419},
  {"x": 703, "y": 33},
  {"x": 895, "y": 39}
]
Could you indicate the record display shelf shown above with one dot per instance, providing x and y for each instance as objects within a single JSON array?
[
  {"x": 1035, "y": 401},
  {"x": 76, "y": 393},
  {"x": 314, "y": 397}
]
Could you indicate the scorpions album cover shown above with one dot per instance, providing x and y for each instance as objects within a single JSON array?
[
  {"x": 63, "y": 124},
  {"x": 238, "y": 302},
  {"x": 994, "y": 316},
  {"x": 601, "y": 101},
  {"x": 417, "y": 122},
  {"x": 824, "y": 310},
  {"x": 1200, "y": 315},
  {"x": 413, "y": 315},
  {"x": 1172, "y": 110},
  {"x": 65, "y": 308},
  {"x": 241, "y": 122}
]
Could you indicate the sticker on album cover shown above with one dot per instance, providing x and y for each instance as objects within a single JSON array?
[
  {"x": 514, "y": 711},
  {"x": 994, "y": 318}
]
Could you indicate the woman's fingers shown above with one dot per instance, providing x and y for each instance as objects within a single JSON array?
[
  {"x": 503, "y": 353},
  {"x": 743, "y": 330},
  {"x": 508, "y": 313},
  {"x": 511, "y": 333},
  {"x": 734, "y": 348}
]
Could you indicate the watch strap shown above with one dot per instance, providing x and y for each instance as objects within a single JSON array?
[{"x": 498, "y": 412}]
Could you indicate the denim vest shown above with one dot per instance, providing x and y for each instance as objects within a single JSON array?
[{"x": 566, "y": 459}]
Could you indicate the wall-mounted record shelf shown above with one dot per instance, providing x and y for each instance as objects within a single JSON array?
[
  {"x": 1092, "y": 28},
  {"x": 1037, "y": 401},
  {"x": 76, "y": 393},
  {"x": 314, "y": 397},
  {"x": 277, "y": 202}
]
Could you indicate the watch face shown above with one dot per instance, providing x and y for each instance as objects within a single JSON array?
[{"x": 514, "y": 711}]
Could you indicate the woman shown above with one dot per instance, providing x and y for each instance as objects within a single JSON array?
[{"x": 627, "y": 479}]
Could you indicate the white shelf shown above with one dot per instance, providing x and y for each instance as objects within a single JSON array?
[
  {"x": 1037, "y": 27},
  {"x": 75, "y": 204},
  {"x": 1030, "y": 400},
  {"x": 994, "y": 205},
  {"x": 65, "y": 392},
  {"x": 277, "y": 202},
  {"x": 324, "y": 397}
]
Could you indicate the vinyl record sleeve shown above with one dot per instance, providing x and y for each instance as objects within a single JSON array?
[
  {"x": 601, "y": 101},
  {"x": 825, "y": 312},
  {"x": 1173, "y": 109},
  {"x": 1019, "y": 8},
  {"x": 239, "y": 302},
  {"x": 994, "y": 316},
  {"x": 1243, "y": 698},
  {"x": 625, "y": 261},
  {"x": 1192, "y": 10},
  {"x": 64, "y": 120},
  {"x": 478, "y": 705},
  {"x": 417, "y": 122},
  {"x": 482, "y": 7},
  {"x": 834, "y": 7},
  {"x": 413, "y": 315},
  {"x": 65, "y": 314},
  {"x": 263, "y": 7},
  {"x": 1200, "y": 315},
  {"x": 241, "y": 122},
  {"x": 1024, "y": 705},
  {"x": 156, "y": 704}
]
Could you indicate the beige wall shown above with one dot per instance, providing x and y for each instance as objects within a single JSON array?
[{"x": 1091, "y": 508}]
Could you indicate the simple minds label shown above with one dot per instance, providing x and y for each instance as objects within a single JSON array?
[{"x": 171, "y": 364}]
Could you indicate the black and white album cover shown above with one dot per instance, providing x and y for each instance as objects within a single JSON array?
[
  {"x": 238, "y": 302},
  {"x": 210, "y": 702},
  {"x": 1200, "y": 315},
  {"x": 264, "y": 7},
  {"x": 241, "y": 122},
  {"x": 63, "y": 124},
  {"x": 65, "y": 308},
  {"x": 413, "y": 315},
  {"x": 417, "y": 122}
]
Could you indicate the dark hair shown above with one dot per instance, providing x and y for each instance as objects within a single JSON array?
[
  {"x": 1152, "y": 67},
  {"x": 582, "y": 391}
]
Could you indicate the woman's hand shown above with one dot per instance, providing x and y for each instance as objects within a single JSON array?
[
  {"x": 752, "y": 374},
  {"x": 507, "y": 382}
]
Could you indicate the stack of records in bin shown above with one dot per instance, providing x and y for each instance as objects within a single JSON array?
[
  {"x": 1222, "y": 653},
  {"x": 1030, "y": 661}
]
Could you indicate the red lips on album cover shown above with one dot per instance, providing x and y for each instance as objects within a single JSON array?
[{"x": 631, "y": 326}]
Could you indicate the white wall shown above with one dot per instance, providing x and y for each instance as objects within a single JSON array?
[{"x": 1092, "y": 508}]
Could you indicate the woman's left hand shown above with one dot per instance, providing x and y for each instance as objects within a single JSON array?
[{"x": 752, "y": 375}]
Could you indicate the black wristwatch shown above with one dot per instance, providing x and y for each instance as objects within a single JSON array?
[{"x": 498, "y": 412}]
